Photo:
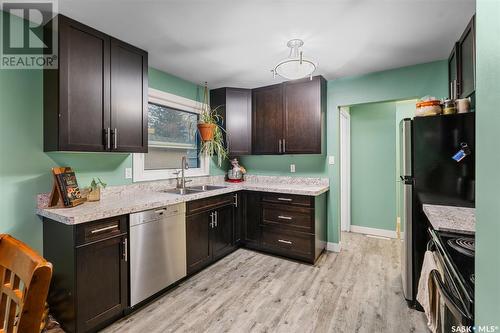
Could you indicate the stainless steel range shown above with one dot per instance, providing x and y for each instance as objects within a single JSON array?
[{"x": 455, "y": 289}]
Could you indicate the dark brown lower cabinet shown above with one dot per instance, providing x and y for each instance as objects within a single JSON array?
[
  {"x": 90, "y": 283},
  {"x": 251, "y": 230},
  {"x": 199, "y": 252},
  {"x": 288, "y": 225},
  {"x": 209, "y": 230},
  {"x": 222, "y": 233}
]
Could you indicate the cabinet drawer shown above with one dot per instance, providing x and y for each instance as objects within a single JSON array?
[
  {"x": 291, "y": 199},
  {"x": 289, "y": 243},
  {"x": 288, "y": 216},
  {"x": 101, "y": 229},
  {"x": 201, "y": 205}
]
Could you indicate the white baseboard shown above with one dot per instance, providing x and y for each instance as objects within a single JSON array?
[
  {"x": 373, "y": 231},
  {"x": 333, "y": 247}
]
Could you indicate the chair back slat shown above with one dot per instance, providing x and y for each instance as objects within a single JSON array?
[{"x": 24, "y": 284}]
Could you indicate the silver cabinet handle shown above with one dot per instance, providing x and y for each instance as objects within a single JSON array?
[
  {"x": 216, "y": 218},
  {"x": 236, "y": 200},
  {"x": 284, "y": 241},
  {"x": 212, "y": 220},
  {"x": 96, "y": 231},
  {"x": 284, "y": 147},
  {"x": 284, "y": 217},
  {"x": 284, "y": 199},
  {"x": 107, "y": 133},
  {"x": 125, "y": 249},
  {"x": 279, "y": 145},
  {"x": 115, "y": 138}
]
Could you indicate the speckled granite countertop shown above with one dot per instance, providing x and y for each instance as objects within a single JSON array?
[
  {"x": 122, "y": 200},
  {"x": 451, "y": 219}
]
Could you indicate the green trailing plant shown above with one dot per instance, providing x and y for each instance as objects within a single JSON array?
[
  {"x": 95, "y": 184},
  {"x": 216, "y": 146}
]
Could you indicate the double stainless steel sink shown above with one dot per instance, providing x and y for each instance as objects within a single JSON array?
[{"x": 194, "y": 189}]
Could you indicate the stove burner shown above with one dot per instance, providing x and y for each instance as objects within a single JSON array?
[
  {"x": 473, "y": 278},
  {"x": 464, "y": 245}
]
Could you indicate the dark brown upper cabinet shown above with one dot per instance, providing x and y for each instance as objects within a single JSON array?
[
  {"x": 453, "y": 73},
  {"x": 235, "y": 107},
  {"x": 288, "y": 118},
  {"x": 267, "y": 116},
  {"x": 97, "y": 98},
  {"x": 304, "y": 112},
  {"x": 462, "y": 64},
  {"x": 129, "y": 98},
  {"x": 467, "y": 63}
]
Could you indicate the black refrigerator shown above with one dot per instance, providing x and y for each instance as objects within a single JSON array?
[{"x": 437, "y": 166}]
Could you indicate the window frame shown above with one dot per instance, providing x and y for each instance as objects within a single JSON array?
[{"x": 169, "y": 100}]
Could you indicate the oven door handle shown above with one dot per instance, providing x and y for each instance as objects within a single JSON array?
[{"x": 448, "y": 300}]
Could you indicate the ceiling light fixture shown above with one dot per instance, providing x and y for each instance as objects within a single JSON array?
[{"x": 295, "y": 66}]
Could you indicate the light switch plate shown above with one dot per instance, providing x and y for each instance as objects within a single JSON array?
[
  {"x": 292, "y": 167},
  {"x": 331, "y": 160},
  {"x": 128, "y": 173}
]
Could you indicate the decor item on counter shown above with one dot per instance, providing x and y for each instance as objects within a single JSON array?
[
  {"x": 235, "y": 174},
  {"x": 211, "y": 132},
  {"x": 463, "y": 105},
  {"x": 428, "y": 106},
  {"x": 94, "y": 193},
  {"x": 65, "y": 190},
  {"x": 295, "y": 66},
  {"x": 449, "y": 107}
]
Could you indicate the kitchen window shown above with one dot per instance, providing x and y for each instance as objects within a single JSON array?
[{"x": 172, "y": 133}]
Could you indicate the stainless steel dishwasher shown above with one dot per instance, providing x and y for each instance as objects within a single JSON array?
[{"x": 157, "y": 250}]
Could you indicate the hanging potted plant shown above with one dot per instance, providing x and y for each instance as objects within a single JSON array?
[{"x": 211, "y": 133}]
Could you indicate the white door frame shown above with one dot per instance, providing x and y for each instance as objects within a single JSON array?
[{"x": 345, "y": 169}]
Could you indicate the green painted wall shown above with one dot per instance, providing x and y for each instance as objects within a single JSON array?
[
  {"x": 397, "y": 84},
  {"x": 373, "y": 160},
  {"x": 25, "y": 168},
  {"x": 305, "y": 166},
  {"x": 488, "y": 160}
]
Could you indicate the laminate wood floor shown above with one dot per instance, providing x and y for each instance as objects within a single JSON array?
[{"x": 357, "y": 290}]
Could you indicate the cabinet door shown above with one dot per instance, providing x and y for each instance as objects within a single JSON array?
[
  {"x": 102, "y": 282},
  {"x": 467, "y": 63},
  {"x": 267, "y": 115},
  {"x": 239, "y": 121},
  {"x": 251, "y": 222},
  {"x": 129, "y": 89},
  {"x": 83, "y": 87},
  {"x": 198, "y": 249},
  {"x": 222, "y": 232},
  {"x": 239, "y": 215},
  {"x": 453, "y": 73},
  {"x": 303, "y": 116}
]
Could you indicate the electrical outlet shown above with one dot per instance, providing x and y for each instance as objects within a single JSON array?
[
  {"x": 292, "y": 167},
  {"x": 331, "y": 160},
  {"x": 128, "y": 173}
]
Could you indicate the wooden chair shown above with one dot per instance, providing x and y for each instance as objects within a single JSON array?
[{"x": 24, "y": 284}]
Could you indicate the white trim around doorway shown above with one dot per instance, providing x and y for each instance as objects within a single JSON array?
[{"x": 345, "y": 169}]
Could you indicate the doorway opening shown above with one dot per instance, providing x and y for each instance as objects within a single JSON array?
[{"x": 370, "y": 197}]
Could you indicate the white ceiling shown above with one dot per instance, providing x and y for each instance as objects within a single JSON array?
[{"x": 237, "y": 42}]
